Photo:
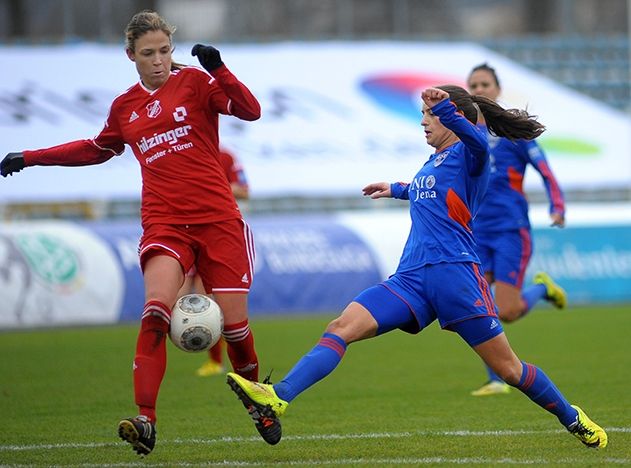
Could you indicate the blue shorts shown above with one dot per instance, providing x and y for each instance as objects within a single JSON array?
[
  {"x": 505, "y": 254},
  {"x": 453, "y": 293},
  {"x": 478, "y": 330}
]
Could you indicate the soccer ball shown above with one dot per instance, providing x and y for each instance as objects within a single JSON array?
[{"x": 196, "y": 323}]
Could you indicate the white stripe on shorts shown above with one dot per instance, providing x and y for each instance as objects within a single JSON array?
[
  {"x": 162, "y": 246},
  {"x": 249, "y": 246}
]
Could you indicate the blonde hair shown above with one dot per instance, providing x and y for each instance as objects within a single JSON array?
[{"x": 144, "y": 22}]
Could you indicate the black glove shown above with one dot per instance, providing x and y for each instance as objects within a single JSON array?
[
  {"x": 12, "y": 162},
  {"x": 208, "y": 57}
]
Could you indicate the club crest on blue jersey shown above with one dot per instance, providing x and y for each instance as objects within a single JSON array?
[{"x": 440, "y": 158}]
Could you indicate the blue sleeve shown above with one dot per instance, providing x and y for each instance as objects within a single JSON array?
[
  {"x": 400, "y": 190},
  {"x": 475, "y": 141},
  {"x": 537, "y": 158}
]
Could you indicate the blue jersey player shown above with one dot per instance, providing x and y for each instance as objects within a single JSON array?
[
  {"x": 502, "y": 228},
  {"x": 438, "y": 277}
]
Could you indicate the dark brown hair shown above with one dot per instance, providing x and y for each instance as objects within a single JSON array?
[
  {"x": 142, "y": 23},
  {"x": 487, "y": 68},
  {"x": 513, "y": 124}
]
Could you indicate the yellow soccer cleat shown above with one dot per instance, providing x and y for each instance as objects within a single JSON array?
[
  {"x": 587, "y": 431},
  {"x": 493, "y": 387},
  {"x": 555, "y": 294},
  {"x": 262, "y": 404},
  {"x": 209, "y": 368}
]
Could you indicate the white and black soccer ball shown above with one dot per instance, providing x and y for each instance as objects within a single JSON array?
[{"x": 196, "y": 323}]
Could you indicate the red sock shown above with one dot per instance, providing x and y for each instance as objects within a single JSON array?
[
  {"x": 151, "y": 358},
  {"x": 216, "y": 352},
  {"x": 240, "y": 347}
]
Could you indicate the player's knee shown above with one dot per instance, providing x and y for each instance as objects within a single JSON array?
[
  {"x": 509, "y": 374},
  {"x": 160, "y": 296},
  {"x": 509, "y": 312},
  {"x": 337, "y": 326},
  {"x": 350, "y": 330}
]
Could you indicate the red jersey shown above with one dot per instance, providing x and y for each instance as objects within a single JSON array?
[
  {"x": 232, "y": 168},
  {"x": 173, "y": 132}
]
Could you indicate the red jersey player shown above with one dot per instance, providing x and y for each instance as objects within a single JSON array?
[
  {"x": 235, "y": 173},
  {"x": 189, "y": 215}
]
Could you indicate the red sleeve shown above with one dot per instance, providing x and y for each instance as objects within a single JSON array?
[
  {"x": 75, "y": 153},
  {"x": 104, "y": 146},
  {"x": 232, "y": 97}
]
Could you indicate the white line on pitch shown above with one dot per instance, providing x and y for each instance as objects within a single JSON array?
[{"x": 368, "y": 435}]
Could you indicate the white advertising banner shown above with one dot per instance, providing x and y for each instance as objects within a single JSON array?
[
  {"x": 336, "y": 116},
  {"x": 55, "y": 273}
]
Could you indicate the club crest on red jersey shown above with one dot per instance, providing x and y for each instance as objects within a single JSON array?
[{"x": 153, "y": 109}]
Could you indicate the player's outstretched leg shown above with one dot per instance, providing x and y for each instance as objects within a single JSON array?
[
  {"x": 540, "y": 389},
  {"x": 555, "y": 294},
  {"x": 262, "y": 404},
  {"x": 587, "y": 431},
  {"x": 139, "y": 432}
]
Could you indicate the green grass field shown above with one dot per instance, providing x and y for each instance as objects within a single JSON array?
[{"x": 395, "y": 400}]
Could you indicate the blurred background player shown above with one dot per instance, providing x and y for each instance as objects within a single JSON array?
[
  {"x": 502, "y": 228},
  {"x": 193, "y": 284},
  {"x": 438, "y": 277},
  {"x": 189, "y": 216}
]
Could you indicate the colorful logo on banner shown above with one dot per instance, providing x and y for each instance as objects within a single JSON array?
[
  {"x": 55, "y": 262},
  {"x": 400, "y": 93},
  {"x": 569, "y": 146}
]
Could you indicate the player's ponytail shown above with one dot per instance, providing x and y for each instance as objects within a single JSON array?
[{"x": 510, "y": 123}]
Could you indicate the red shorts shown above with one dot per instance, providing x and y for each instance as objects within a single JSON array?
[{"x": 223, "y": 252}]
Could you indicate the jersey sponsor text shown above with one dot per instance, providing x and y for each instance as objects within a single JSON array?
[
  {"x": 170, "y": 136},
  {"x": 420, "y": 184}
]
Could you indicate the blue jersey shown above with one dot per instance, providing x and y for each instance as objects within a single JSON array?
[
  {"x": 505, "y": 206},
  {"x": 444, "y": 196}
]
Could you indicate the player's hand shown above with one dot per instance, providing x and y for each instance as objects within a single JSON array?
[
  {"x": 12, "y": 162},
  {"x": 432, "y": 96},
  {"x": 558, "y": 220},
  {"x": 377, "y": 190},
  {"x": 208, "y": 57}
]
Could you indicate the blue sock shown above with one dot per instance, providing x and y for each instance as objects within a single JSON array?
[
  {"x": 533, "y": 294},
  {"x": 540, "y": 389},
  {"x": 492, "y": 375},
  {"x": 312, "y": 367}
]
